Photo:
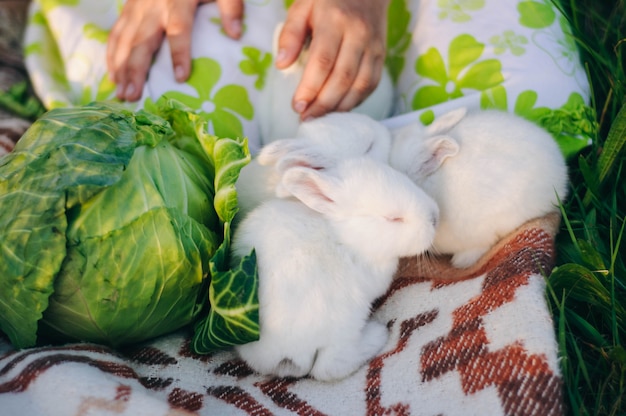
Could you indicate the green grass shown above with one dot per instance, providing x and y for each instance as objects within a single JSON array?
[{"x": 587, "y": 290}]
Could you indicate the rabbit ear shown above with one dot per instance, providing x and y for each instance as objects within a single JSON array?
[
  {"x": 313, "y": 188},
  {"x": 305, "y": 158},
  {"x": 271, "y": 153},
  {"x": 308, "y": 158},
  {"x": 446, "y": 122},
  {"x": 439, "y": 148}
]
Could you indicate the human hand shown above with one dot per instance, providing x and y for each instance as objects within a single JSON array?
[
  {"x": 346, "y": 54},
  {"x": 139, "y": 32}
]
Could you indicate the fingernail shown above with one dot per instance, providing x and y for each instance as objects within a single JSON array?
[
  {"x": 130, "y": 90},
  {"x": 300, "y": 106},
  {"x": 235, "y": 28},
  {"x": 281, "y": 55},
  {"x": 119, "y": 91},
  {"x": 179, "y": 73}
]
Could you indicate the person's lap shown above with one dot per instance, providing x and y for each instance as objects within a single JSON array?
[{"x": 508, "y": 54}]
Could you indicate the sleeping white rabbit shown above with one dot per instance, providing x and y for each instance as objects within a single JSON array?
[
  {"x": 277, "y": 118},
  {"x": 318, "y": 143},
  {"x": 323, "y": 258},
  {"x": 489, "y": 171}
]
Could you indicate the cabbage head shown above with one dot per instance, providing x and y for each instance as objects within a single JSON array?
[{"x": 109, "y": 223}]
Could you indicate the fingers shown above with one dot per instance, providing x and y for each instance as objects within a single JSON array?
[
  {"x": 355, "y": 75},
  {"x": 231, "y": 12},
  {"x": 178, "y": 32},
  {"x": 132, "y": 42},
  {"x": 326, "y": 68},
  {"x": 139, "y": 33},
  {"x": 346, "y": 56},
  {"x": 364, "y": 84},
  {"x": 294, "y": 34}
]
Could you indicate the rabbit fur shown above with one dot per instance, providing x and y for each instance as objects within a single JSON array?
[
  {"x": 323, "y": 257},
  {"x": 489, "y": 171},
  {"x": 318, "y": 143}
]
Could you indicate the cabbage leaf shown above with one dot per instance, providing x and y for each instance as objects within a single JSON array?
[{"x": 112, "y": 223}]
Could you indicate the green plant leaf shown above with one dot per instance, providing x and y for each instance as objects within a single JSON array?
[
  {"x": 233, "y": 292},
  {"x": 32, "y": 241},
  {"x": 583, "y": 326},
  {"x": 613, "y": 146},
  {"x": 234, "y": 315},
  {"x": 112, "y": 224},
  {"x": 589, "y": 176},
  {"x": 591, "y": 256}
]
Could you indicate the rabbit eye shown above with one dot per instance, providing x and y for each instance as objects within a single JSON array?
[
  {"x": 434, "y": 220},
  {"x": 395, "y": 219}
]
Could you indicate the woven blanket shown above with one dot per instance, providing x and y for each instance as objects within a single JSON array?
[{"x": 472, "y": 342}]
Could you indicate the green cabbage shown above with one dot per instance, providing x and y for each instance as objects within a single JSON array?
[{"x": 111, "y": 224}]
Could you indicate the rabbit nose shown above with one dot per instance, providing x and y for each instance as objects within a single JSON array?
[{"x": 434, "y": 219}]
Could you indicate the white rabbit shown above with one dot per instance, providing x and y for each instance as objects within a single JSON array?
[
  {"x": 324, "y": 140},
  {"x": 277, "y": 118},
  {"x": 489, "y": 171},
  {"x": 318, "y": 143},
  {"x": 323, "y": 258}
]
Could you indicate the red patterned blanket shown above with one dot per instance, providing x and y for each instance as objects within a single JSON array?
[{"x": 477, "y": 342}]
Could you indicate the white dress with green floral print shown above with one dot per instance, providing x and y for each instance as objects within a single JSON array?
[{"x": 515, "y": 55}]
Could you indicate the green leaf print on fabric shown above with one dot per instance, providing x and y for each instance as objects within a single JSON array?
[
  {"x": 458, "y": 10},
  {"x": 105, "y": 91},
  {"x": 49, "y": 53},
  {"x": 256, "y": 64},
  {"x": 95, "y": 32},
  {"x": 398, "y": 37},
  {"x": 560, "y": 46},
  {"x": 217, "y": 21},
  {"x": 465, "y": 72},
  {"x": 34, "y": 48},
  {"x": 427, "y": 117},
  {"x": 525, "y": 106},
  {"x": 509, "y": 41},
  {"x": 47, "y": 5},
  {"x": 496, "y": 98},
  {"x": 223, "y": 109},
  {"x": 536, "y": 14}
]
